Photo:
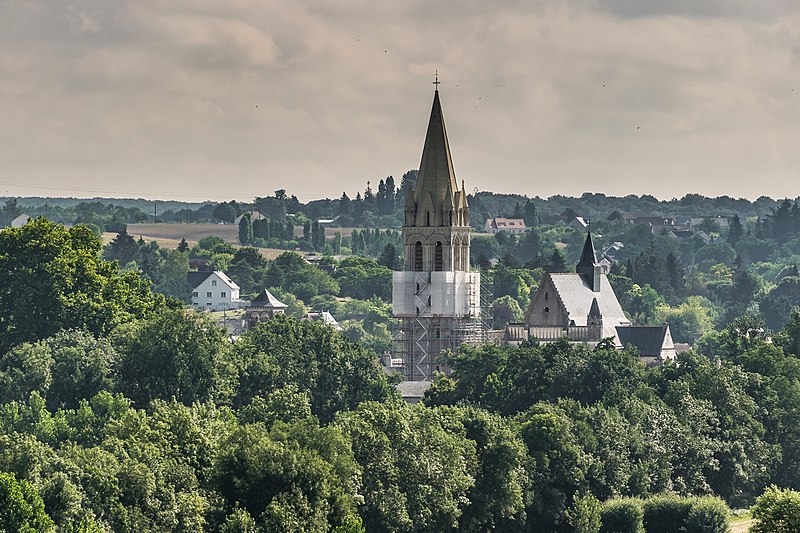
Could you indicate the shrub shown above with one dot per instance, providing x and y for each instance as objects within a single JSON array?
[
  {"x": 708, "y": 515},
  {"x": 777, "y": 511},
  {"x": 622, "y": 516},
  {"x": 666, "y": 513},
  {"x": 584, "y": 515}
]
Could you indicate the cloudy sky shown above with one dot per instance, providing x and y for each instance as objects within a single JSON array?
[{"x": 220, "y": 99}]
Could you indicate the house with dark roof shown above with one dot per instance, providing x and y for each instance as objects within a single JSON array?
[
  {"x": 263, "y": 307},
  {"x": 213, "y": 291},
  {"x": 325, "y": 317},
  {"x": 654, "y": 343}
]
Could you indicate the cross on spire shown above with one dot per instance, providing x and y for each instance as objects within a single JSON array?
[{"x": 436, "y": 81}]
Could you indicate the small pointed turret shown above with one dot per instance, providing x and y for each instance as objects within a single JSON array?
[{"x": 594, "y": 311}]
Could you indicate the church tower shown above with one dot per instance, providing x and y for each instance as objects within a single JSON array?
[{"x": 436, "y": 296}]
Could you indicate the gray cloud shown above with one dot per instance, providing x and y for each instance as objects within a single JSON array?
[{"x": 235, "y": 99}]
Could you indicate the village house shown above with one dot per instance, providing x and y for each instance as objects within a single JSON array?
[
  {"x": 213, "y": 291},
  {"x": 513, "y": 225},
  {"x": 20, "y": 221}
]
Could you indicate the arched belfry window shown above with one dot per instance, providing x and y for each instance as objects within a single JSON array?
[
  {"x": 438, "y": 257},
  {"x": 418, "y": 256}
]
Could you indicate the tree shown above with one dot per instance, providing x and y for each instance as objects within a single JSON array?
[
  {"x": 183, "y": 246},
  {"x": 245, "y": 229},
  {"x": 641, "y": 303},
  {"x": 777, "y": 511},
  {"x": 292, "y": 273},
  {"x": 173, "y": 282},
  {"x": 778, "y": 303},
  {"x": 557, "y": 262},
  {"x": 336, "y": 373},
  {"x": 363, "y": 278},
  {"x": 531, "y": 216},
  {"x": 81, "y": 367},
  {"x": 735, "y": 231},
  {"x": 505, "y": 310},
  {"x": 24, "y": 369},
  {"x": 584, "y": 515},
  {"x": 225, "y": 212},
  {"x": 393, "y": 443},
  {"x": 389, "y": 257},
  {"x": 55, "y": 280},
  {"x": 122, "y": 248},
  {"x": 689, "y": 321},
  {"x": 318, "y": 236},
  {"x": 294, "y": 478},
  {"x": 21, "y": 507},
  {"x": 173, "y": 354}
]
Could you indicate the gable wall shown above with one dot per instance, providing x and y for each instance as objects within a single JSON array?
[{"x": 546, "y": 296}]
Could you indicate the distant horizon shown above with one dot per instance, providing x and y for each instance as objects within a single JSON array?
[{"x": 307, "y": 199}]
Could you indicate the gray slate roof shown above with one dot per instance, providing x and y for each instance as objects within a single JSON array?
[
  {"x": 413, "y": 389},
  {"x": 577, "y": 298},
  {"x": 647, "y": 339},
  {"x": 267, "y": 299},
  {"x": 196, "y": 278}
]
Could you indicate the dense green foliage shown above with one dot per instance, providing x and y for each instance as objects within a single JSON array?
[
  {"x": 777, "y": 511},
  {"x": 55, "y": 279},
  {"x": 121, "y": 412}
]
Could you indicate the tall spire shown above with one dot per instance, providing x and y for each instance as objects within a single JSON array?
[{"x": 436, "y": 182}]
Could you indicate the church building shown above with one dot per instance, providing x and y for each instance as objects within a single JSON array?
[
  {"x": 436, "y": 296},
  {"x": 581, "y": 306}
]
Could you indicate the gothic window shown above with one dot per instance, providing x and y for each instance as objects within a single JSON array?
[
  {"x": 418, "y": 256},
  {"x": 438, "y": 257},
  {"x": 457, "y": 256},
  {"x": 546, "y": 309},
  {"x": 546, "y": 296},
  {"x": 427, "y": 218}
]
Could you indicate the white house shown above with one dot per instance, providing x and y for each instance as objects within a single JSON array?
[
  {"x": 20, "y": 221},
  {"x": 213, "y": 291}
]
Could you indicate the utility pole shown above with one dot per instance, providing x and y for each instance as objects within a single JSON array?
[{"x": 155, "y": 211}]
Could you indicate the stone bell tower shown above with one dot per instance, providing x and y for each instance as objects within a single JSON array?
[{"x": 436, "y": 296}]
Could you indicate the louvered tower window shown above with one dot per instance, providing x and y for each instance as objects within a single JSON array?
[{"x": 418, "y": 256}]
